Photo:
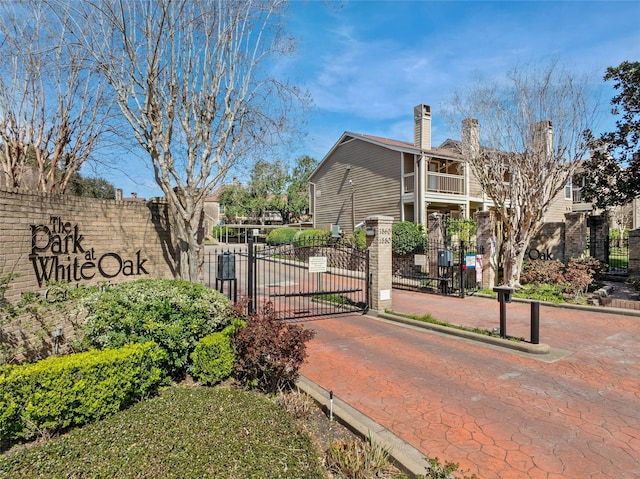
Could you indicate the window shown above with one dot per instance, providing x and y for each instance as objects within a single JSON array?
[{"x": 568, "y": 195}]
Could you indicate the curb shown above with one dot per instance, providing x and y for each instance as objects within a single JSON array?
[
  {"x": 579, "y": 307},
  {"x": 521, "y": 346},
  {"x": 406, "y": 457}
]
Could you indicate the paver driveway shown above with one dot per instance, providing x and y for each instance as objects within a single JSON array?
[{"x": 498, "y": 413}]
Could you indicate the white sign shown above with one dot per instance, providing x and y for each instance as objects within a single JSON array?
[
  {"x": 420, "y": 259},
  {"x": 478, "y": 268},
  {"x": 317, "y": 264},
  {"x": 470, "y": 260},
  {"x": 256, "y": 232},
  {"x": 385, "y": 294}
]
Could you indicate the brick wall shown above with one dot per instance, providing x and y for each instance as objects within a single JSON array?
[{"x": 81, "y": 240}]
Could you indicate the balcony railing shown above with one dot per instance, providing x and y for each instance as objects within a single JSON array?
[
  {"x": 409, "y": 183},
  {"x": 445, "y": 183},
  {"x": 577, "y": 195}
]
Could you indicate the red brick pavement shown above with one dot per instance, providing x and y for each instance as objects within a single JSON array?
[{"x": 498, "y": 413}]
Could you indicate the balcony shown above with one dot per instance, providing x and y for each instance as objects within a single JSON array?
[{"x": 445, "y": 183}]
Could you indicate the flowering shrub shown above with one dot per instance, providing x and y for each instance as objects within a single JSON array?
[{"x": 173, "y": 313}]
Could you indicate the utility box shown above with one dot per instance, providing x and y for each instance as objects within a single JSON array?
[
  {"x": 226, "y": 266},
  {"x": 445, "y": 257}
]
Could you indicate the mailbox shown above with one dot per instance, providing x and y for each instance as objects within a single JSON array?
[
  {"x": 504, "y": 293},
  {"x": 226, "y": 266},
  {"x": 445, "y": 257}
]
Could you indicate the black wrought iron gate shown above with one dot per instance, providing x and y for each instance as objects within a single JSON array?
[{"x": 314, "y": 277}]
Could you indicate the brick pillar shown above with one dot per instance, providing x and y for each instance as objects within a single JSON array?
[
  {"x": 599, "y": 238},
  {"x": 487, "y": 246},
  {"x": 380, "y": 269},
  {"x": 575, "y": 236},
  {"x": 634, "y": 252}
]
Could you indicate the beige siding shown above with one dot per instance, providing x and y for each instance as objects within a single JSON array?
[
  {"x": 475, "y": 190},
  {"x": 557, "y": 208},
  {"x": 375, "y": 172}
]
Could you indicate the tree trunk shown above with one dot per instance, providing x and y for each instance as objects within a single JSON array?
[{"x": 187, "y": 232}]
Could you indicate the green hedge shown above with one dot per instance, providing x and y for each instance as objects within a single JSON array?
[
  {"x": 408, "y": 237},
  {"x": 60, "y": 392},
  {"x": 175, "y": 314},
  {"x": 281, "y": 236},
  {"x": 311, "y": 237},
  {"x": 213, "y": 359}
]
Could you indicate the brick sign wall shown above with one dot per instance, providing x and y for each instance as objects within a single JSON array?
[{"x": 85, "y": 241}]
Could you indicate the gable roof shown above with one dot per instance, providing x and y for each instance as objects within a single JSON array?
[{"x": 448, "y": 150}]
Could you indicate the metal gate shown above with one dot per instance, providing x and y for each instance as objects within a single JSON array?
[
  {"x": 454, "y": 270},
  {"x": 314, "y": 277}
]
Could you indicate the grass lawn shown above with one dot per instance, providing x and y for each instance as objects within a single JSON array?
[{"x": 184, "y": 432}]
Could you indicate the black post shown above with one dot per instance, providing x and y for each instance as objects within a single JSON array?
[
  {"x": 462, "y": 268},
  {"x": 535, "y": 322},
  {"x": 503, "y": 318},
  {"x": 250, "y": 265}
]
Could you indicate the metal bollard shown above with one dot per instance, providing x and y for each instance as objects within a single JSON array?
[{"x": 535, "y": 322}]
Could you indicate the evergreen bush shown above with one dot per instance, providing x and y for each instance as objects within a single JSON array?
[
  {"x": 60, "y": 392},
  {"x": 281, "y": 236},
  {"x": 212, "y": 359},
  {"x": 359, "y": 239},
  {"x": 175, "y": 314},
  {"x": 311, "y": 237},
  {"x": 408, "y": 237}
]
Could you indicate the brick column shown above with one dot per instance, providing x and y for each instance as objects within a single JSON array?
[
  {"x": 487, "y": 246},
  {"x": 575, "y": 236},
  {"x": 380, "y": 269},
  {"x": 599, "y": 238},
  {"x": 634, "y": 252}
]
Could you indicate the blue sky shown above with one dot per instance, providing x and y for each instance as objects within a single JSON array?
[{"x": 367, "y": 63}]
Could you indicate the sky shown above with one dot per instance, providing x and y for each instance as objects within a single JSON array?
[{"x": 366, "y": 63}]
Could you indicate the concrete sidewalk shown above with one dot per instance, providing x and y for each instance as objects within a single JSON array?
[{"x": 500, "y": 413}]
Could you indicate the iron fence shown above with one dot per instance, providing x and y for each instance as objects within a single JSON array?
[{"x": 442, "y": 269}]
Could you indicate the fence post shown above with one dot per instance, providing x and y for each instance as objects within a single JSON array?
[{"x": 250, "y": 267}]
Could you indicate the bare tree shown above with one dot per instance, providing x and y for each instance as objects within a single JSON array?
[
  {"x": 531, "y": 127},
  {"x": 192, "y": 80},
  {"x": 53, "y": 108}
]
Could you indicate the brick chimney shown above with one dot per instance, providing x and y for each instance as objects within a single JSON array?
[
  {"x": 470, "y": 138},
  {"x": 422, "y": 127},
  {"x": 542, "y": 138}
]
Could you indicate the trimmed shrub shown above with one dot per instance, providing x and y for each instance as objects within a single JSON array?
[
  {"x": 311, "y": 237},
  {"x": 269, "y": 351},
  {"x": 175, "y": 314},
  {"x": 60, "y": 392},
  {"x": 213, "y": 358},
  {"x": 408, "y": 237},
  {"x": 281, "y": 236}
]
